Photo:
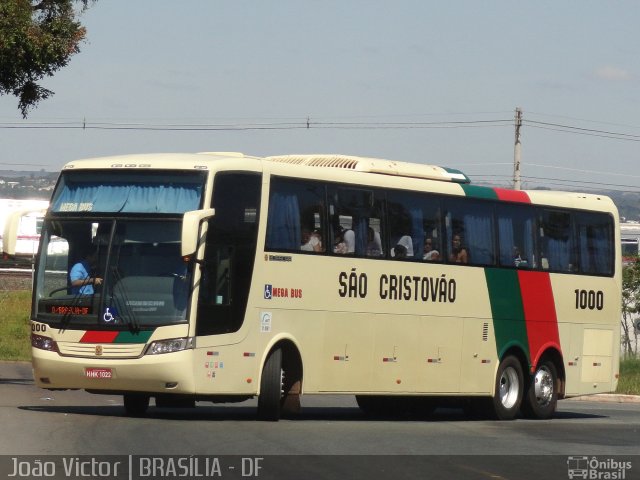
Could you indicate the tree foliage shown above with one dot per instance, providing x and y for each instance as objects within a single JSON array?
[
  {"x": 37, "y": 38},
  {"x": 630, "y": 306}
]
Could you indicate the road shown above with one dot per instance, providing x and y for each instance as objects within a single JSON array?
[{"x": 39, "y": 422}]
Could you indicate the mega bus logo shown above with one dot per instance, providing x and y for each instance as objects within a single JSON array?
[{"x": 281, "y": 292}]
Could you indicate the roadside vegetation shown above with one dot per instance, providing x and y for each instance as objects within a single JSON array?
[
  {"x": 15, "y": 332},
  {"x": 15, "y": 335},
  {"x": 629, "y": 382}
]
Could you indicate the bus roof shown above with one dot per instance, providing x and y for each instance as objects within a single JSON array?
[
  {"x": 334, "y": 161},
  {"x": 336, "y": 164}
]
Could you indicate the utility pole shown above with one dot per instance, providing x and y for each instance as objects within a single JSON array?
[{"x": 516, "y": 151}]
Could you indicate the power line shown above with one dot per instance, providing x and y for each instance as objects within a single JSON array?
[
  {"x": 582, "y": 131},
  {"x": 24, "y": 164},
  {"x": 636, "y": 127},
  {"x": 582, "y": 170},
  {"x": 302, "y": 124}
]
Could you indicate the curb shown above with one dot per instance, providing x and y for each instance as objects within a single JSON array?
[{"x": 608, "y": 397}]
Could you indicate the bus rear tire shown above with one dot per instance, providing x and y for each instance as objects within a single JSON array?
[
  {"x": 541, "y": 397},
  {"x": 271, "y": 394},
  {"x": 135, "y": 404},
  {"x": 509, "y": 388}
]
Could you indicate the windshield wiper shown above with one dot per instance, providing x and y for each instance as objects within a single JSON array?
[{"x": 124, "y": 309}]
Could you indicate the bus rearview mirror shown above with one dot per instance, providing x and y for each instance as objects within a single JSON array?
[{"x": 191, "y": 223}]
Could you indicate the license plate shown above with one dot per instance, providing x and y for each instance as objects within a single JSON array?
[{"x": 100, "y": 373}]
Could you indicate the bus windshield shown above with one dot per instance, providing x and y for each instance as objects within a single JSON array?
[
  {"x": 110, "y": 249},
  {"x": 112, "y": 272}
]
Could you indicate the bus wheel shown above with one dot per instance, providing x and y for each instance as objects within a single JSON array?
[
  {"x": 508, "y": 389},
  {"x": 270, "y": 398},
  {"x": 541, "y": 397},
  {"x": 135, "y": 404}
]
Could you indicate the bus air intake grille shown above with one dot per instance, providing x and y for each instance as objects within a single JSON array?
[
  {"x": 101, "y": 350},
  {"x": 374, "y": 165}
]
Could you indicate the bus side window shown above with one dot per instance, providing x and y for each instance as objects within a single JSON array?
[
  {"x": 470, "y": 232},
  {"x": 595, "y": 238},
  {"x": 516, "y": 226},
  {"x": 355, "y": 218},
  {"x": 557, "y": 241},
  {"x": 414, "y": 221},
  {"x": 296, "y": 216}
]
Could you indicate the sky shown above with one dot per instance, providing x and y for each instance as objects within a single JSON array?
[{"x": 434, "y": 82}]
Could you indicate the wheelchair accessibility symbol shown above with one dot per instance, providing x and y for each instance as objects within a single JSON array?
[
  {"x": 268, "y": 291},
  {"x": 109, "y": 315}
]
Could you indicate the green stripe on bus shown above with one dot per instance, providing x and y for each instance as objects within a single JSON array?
[
  {"x": 479, "y": 192},
  {"x": 457, "y": 175},
  {"x": 507, "y": 310},
  {"x": 129, "y": 337}
]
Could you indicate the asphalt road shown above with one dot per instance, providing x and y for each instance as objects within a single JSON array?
[{"x": 329, "y": 439}]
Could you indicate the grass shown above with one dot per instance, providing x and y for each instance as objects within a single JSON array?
[
  {"x": 15, "y": 339},
  {"x": 629, "y": 382},
  {"x": 15, "y": 331}
]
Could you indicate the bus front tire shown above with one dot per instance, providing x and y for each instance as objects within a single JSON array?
[
  {"x": 509, "y": 388},
  {"x": 135, "y": 405},
  {"x": 271, "y": 394},
  {"x": 541, "y": 397}
]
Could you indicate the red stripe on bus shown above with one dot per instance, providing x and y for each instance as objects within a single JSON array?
[
  {"x": 98, "y": 337},
  {"x": 512, "y": 195},
  {"x": 539, "y": 313}
]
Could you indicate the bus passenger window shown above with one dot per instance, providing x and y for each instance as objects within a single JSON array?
[
  {"x": 353, "y": 214},
  {"x": 470, "y": 232},
  {"x": 557, "y": 241},
  {"x": 296, "y": 216}
]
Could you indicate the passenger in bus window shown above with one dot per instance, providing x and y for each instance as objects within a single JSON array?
[
  {"x": 80, "y": 275},
  {"x": 399, "y": 252},
  {"x": 339, "y": 245},
  {"x": 518, "y": 260},
  {"x": 430, "y": 254},
  {"x": 374, "y": 243},
  {"x": 349, "y": 237},
  {"x": 312, "y": 241},
  {"x": 407, "y": 247},
  {"x": 458, "y": 252}
]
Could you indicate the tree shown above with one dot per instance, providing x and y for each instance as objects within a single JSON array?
[
  {"x": 37, "y": 38},
  {"x": 630, "y": 306}
]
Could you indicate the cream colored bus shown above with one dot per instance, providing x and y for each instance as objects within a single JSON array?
[{"x": 220, "y": 277}]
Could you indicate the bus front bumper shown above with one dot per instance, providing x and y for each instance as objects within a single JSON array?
[{"x": 165, "y": 373}]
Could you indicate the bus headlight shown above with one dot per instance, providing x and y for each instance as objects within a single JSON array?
[
  {"x": 171, "y": 345},
  {"x": 43, "y": 343}
]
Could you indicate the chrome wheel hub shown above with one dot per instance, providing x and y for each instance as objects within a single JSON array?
[
  {"x": 543, "y": 386},
  {"x": 509, "y": 387}
]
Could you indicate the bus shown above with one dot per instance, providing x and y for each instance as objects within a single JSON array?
[
  {"x": 630, "y": 238},
  {"x": 221, "y": 277},
  {"x": 20, "y": 224},
  {"x": 21, "y": 237}
]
